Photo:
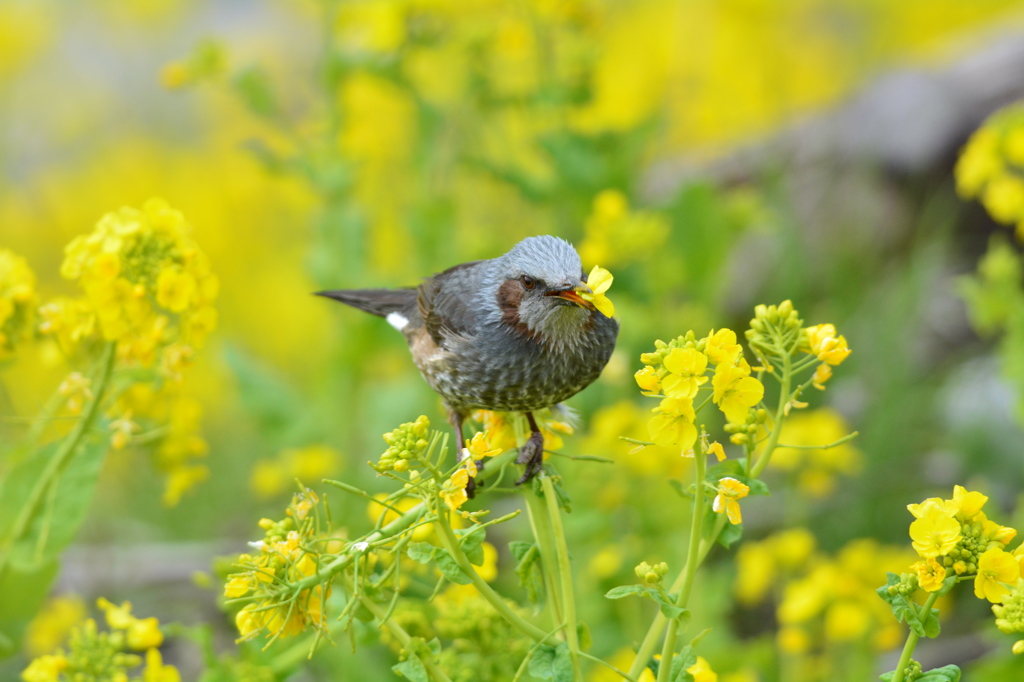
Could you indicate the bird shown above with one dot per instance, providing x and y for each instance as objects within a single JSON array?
[{"x": 511, "y": 334}]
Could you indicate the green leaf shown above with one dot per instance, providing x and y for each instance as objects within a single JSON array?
[
  {"x": 449, "y": 568},
  {"x": 583, "y": 633},
  {"x": 422, "y": 552},
  {"x": 680, "y": 662},
  {"x": 947, "y": 673},
  {"x": 540, "y": 662},
  {"x": 624, "y": 591},
  {"x": 24, "y": 593},
  {"x": 412, "y": 669},
  {"x": 527, "y": 568},
  {"x": 472, "y": 544},
  {"x": 757, "y": 487},
  {"x": 730, "y": 467},
  {"x": 681, "y": 488},
  {"x": 552, "y": 663},
  {"x": 16, "y": 488},
  {"x": 906, "y": 611},
  {"x": 519, "y": 548},
  {"x": 669, "y": 609},
  {"x": 253, "y": 84},
  {"x": 62, "y": 508}
]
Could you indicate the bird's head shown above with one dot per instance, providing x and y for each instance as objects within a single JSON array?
[{"x": 539, "y": 283}]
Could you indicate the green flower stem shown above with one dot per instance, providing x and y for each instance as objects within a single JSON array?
[
  {"x": 912, "y": 637},
  {"x": 403, "y": 638},
  {"x": 668, "y": 649},
  {"x": 650, "y": 640},
  {"x": 451, "y": 543},
  {"x": 342, "y": 561},
  {"x": 564, "y": 574},
  {"x": 780, "y": 415},
  {"x": 63, "y": 455},
  {"x": 541, "y": 526}
]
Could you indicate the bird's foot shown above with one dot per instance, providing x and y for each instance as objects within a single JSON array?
[
  {"x": 471, "y": 484},
  {"x": 531, "y": 453}
]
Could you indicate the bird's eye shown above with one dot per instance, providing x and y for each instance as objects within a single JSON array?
[{"x": 528, "y": 282}]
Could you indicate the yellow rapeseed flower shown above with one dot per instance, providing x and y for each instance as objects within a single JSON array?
[
  {"x": 946, "y": 507},
  {"x": 156, "y": 671},
  {"x": 717, "y": 450},
  {"x": 996, "y": 570},
  {"x": 599, "y": 280},
  {"x": 821, "y": 375},
  {"x": 50, "y": 627},
  {"x": 934, "y": 533},
  {"x": 454, "y": 490},
  {"x": 736, "y": 391},
  {"x": 978, "y": 163},
  {"x": 17, "y": 302},
  {"x": 118, "y": 617},
  {"x": 825, "y": 343},
  {"x": 648, "y": 380},
  {"x": 702, "y": 672},
  {"x": 968, "y": 503},
  {"x": 673, "y": 424},
  {"x": 144, "y": 633},
  {"x": 1003, "y": 198},
  {"x": 174, "y": 289},
  {"x": 721, "y": 346},
  {"x": 730, "y": 491},
  {"x": 930, "y": 574},
  {"x": 479, "y": 447},
  {"x": 45, "y": 669},
  {"x": 686, "y": 368}
]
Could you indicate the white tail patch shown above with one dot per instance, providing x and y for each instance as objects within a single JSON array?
[{"x": 397, "y": 320}]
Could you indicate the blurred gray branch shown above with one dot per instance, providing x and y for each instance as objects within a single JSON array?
[{"x": 907, "y": 121}]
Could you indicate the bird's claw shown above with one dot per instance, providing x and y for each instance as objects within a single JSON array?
[
  {"x": 471, "y": 483},
  {"x": 531, "y": 453}
]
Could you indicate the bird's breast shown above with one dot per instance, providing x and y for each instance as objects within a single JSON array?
[{"x": 499, "y": 370}]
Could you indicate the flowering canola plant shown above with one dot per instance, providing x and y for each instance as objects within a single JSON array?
[
  {"x": 955, "y": 542},
  {"x": 309, "y": 576}
]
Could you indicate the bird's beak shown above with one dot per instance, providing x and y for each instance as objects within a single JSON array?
[{"x": 571, "y": 292}]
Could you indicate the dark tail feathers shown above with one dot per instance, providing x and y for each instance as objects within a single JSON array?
[{"x": 376, "y": 301}]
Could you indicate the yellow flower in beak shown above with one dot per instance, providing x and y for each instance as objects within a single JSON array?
[{"x": 599, "y": 280}]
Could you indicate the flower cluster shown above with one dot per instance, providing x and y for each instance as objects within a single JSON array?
[
  {"x": 17, "y": 302},
  {"x": 954, "y": 537},
  {"x": 148, "y": 282},
  {"x": 407, "y": 445},
  {"x": 991, "y": 167},
  {"x": 505, "y": 430},
  {"x": 288, "y": 553},
  {"x": 92, "y": 654},
  {"x": 821, "y": 599},
  {"x": 676, "y": 372},
  {"x": 482, "y": 644}
]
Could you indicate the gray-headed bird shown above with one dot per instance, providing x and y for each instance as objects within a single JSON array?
[{"x": 516, "y": 333}]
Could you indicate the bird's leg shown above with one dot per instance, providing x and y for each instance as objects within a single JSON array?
[
  {"x": 455, "y": 419},
  {"x": 531, "y": 453}
]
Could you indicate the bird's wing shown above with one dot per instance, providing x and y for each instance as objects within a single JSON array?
[{"x": 445, "y": 302}]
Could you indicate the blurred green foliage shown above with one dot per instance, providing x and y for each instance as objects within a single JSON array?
[{"x": 348, "y": 144}]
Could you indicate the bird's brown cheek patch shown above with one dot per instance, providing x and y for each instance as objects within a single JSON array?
[{"x": 510, "y": 295}]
